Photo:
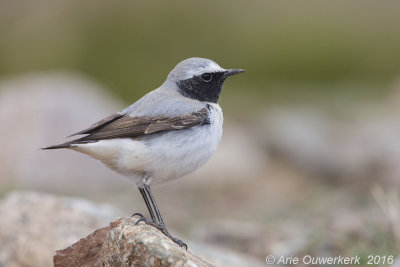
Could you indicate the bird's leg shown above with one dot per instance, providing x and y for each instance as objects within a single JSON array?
[
  {"x": 160, "y": 225},
  {"x": 146, "y": 200},
  {"x": 154, "y": 203},
  {"x": 157, "y": 220},
  {"x": 146, "y": 180}
]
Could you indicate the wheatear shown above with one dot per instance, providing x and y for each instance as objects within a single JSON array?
[{"x": 166, "y": 134}]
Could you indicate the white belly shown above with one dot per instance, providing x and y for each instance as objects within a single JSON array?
[{"x": 162, "y": 156}]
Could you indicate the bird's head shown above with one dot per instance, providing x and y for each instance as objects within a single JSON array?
[{"x": 200, "y": 78}]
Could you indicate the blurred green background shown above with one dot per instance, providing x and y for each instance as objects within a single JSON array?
[
  {"x": 311, "y": 148},
  {"x": 289, "y": 49}
]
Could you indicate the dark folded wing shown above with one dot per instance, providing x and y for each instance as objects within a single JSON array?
[
  {"x": 125, "y": 126},
  {"x": 99, "y": 124}
]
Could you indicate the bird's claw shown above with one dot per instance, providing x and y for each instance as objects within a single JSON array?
[
  {"x": 178, "y": 241},
  {"x": 138, "y": 214},
  {"x": 162, "y": 228},
  {"x": 143, "y": 219}
]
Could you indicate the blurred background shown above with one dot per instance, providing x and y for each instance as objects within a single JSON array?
[{"x": 309, "y": 161}]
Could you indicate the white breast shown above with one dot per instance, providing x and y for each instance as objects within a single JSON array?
[
  {"x": 163, "y": 156},
  {"x": 177, "y": 153}
]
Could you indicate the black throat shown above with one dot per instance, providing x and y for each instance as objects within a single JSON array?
[{"x": 197, "y": 88}]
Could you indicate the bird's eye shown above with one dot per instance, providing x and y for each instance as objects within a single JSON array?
[{"x": 207, "y": 77}]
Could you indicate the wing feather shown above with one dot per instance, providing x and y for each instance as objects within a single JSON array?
[
  {"x": 125, "y": 126},
  {"x": 99, "y": 124}
]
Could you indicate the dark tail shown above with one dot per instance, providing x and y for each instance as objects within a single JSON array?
[{"x": 64, "y": 145}]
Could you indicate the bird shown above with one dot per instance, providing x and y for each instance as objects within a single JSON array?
[{"x": 168, "y": 133}]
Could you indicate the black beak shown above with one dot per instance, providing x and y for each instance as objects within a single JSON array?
[{"x": 232, "y": 72}]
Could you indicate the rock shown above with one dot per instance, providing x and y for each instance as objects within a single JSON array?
[
  {"x": 125, "y": 244},
  {"x": 33, "y": 225}
]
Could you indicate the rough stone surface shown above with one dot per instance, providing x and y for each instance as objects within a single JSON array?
[
  {"x": 33, "y": 225},
  {"x": 125, "y": 244}
]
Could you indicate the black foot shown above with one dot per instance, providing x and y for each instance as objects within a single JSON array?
[
  {"x": 138, "y": 214},
  {"x": 163, "y": 229}
]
